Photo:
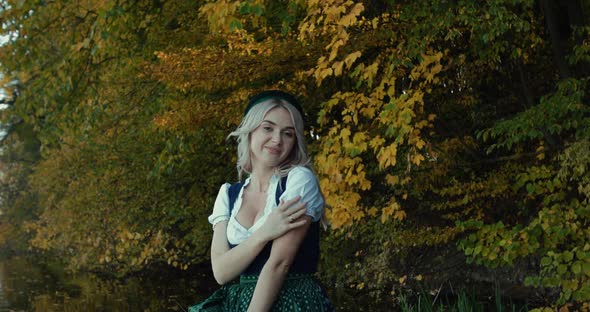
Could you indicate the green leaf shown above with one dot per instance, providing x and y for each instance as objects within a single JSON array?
[
  {"x": 577, "y": 267},
  {"x": 235, "y": 24},
  {"x": 530, "y": 188},
  {"x": 477, "y": 250},
  {"x": 545, "y": 261},
  {"x": 567, "y": 256}
]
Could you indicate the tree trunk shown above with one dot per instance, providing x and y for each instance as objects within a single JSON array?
[{"x": 557, "y": 21}]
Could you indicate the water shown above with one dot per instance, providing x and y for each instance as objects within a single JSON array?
[{"x": 27, "y": 286}]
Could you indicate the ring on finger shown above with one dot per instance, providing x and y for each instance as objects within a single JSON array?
[{"x": 290, "y": 218}]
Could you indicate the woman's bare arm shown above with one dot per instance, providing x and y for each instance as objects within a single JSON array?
[
  {"x": 275, "y": 270},
  {"x": 228, "y": 263}
]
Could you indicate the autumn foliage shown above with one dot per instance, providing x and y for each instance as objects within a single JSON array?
[{"x": 451, "y": 138}]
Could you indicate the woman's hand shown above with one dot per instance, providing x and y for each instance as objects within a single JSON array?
[{"x": 283, "y": 219}]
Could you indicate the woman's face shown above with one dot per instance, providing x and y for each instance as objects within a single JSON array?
[{"x": 271, "y": 143}]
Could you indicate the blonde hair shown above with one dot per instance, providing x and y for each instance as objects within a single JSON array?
[
  {"x": 297, "y": 157},
  {"x": 252, "y": 120}
]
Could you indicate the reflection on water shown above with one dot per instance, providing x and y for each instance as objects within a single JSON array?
[{"x": 25, "y": 286}]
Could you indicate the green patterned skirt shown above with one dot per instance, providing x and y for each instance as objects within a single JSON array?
[{"x": 300, "y": 292}]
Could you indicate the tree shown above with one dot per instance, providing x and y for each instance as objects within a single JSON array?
[{"x": 442, "y": 131}]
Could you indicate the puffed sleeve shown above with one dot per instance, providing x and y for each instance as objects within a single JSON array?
[
  {"x": 302, "y": 182},
  {"x": 221, "y": 207}
]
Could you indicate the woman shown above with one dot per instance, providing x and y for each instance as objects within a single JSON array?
[{"x": 266, "y": 229}]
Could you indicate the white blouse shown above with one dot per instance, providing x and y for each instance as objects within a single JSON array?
[{"x": 300, "y": 182}]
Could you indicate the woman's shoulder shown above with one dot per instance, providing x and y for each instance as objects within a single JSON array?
[
  {"x": 223, "y": 189},
  {"x": 301, "y": 173}
]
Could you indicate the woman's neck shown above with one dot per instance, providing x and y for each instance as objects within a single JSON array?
[{"x": 260, "y": 179}]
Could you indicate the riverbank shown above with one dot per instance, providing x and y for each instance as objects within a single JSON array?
[
  {"x": 37, "y": 286},
  {"x": 28, "y": 284}
]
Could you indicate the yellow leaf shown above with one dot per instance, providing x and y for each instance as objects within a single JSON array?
[
  {"x": 541, "y": 152},
  {"x": 334, "y": 51},
  {"x": 345, "y": 134},
  {"x": 375, "y": 22},
  {"x": 376, "y": 142},
  {"x": 420, "y": 144},
  {"x": 417, "y": 159},
  {"x": 325, "y": 73},
  {"x": 399, "y": 215},
  {"x": 333, "y": 12},
  {"x": 78, "y": 46},
  {"x": 403, "y": 279},
  {"x": 387, "y": 156},
  {"x": 372, "y": 212},
  {"x": 384, "y": 217},
  {"x": 349, "y": 59},
  {"x": 389, "y": 210},
  {"x": 357, "y": 9},
  {"x": 392, "y": 179},
  {"x": 337, "y": 66},
  {"x": 347, "y": 20}
]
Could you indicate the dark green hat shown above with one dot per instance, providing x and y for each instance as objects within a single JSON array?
[{"x": 274, "y": 94}]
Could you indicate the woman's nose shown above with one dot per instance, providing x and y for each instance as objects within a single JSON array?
[{"x": 276, "y": 137}]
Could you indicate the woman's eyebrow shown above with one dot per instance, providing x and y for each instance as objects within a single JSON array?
[{"x": 274, "y": 124}]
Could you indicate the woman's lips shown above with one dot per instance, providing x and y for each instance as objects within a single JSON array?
[{"x": 274, "y": 150}]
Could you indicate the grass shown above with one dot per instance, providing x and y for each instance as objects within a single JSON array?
[{"x": 461, "y": 302}]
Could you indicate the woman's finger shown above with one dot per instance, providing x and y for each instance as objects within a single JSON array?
[
  {"x": 296, "y": 207},
  {"x": 286, "y": 204},
  {"x": 298, "y": 213},
  {"x": 297, "y": 224}
]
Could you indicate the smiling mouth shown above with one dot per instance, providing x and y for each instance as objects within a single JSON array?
[{"x": 274, "y": 151}]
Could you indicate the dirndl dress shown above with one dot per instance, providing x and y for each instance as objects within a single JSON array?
[{"x": 300, "y": 290}]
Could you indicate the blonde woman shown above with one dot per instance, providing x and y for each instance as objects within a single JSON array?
[{"x": 266, "y": 228}]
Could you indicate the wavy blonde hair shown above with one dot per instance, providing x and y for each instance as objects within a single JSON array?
[
  {"x": 297, "y": 157},
  {"x": 252, "y": 120}
]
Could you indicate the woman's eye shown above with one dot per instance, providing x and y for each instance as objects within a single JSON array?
[
  {"x": 289, "y": 134},
  {"x": 267, "y": 128}
]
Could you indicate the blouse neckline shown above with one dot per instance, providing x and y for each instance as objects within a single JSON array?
[{"x": 268, "y": 204}]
